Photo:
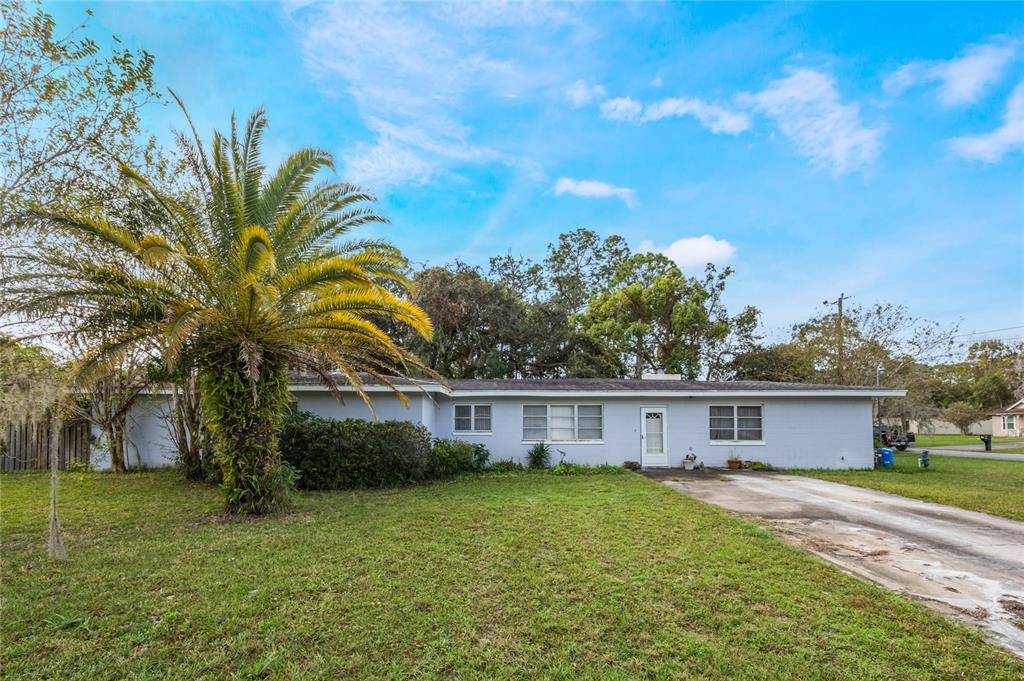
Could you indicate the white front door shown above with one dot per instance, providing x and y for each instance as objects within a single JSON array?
[{"x": 653, "y": 438}]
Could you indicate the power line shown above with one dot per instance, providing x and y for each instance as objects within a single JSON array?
[{"x": 980, "y": 333}]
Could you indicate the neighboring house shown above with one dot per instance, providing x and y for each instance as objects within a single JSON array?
[
  {"x": 655, "y": 421},
  {"x": 1009, "y": 421}
]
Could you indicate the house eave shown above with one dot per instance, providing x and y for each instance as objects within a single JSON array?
[
  {"x": 320, "y": 387},
  {"x": 440, "y": 389},
  {"x": 422, "y": 388},
  {"x": 745, "y": 394}
]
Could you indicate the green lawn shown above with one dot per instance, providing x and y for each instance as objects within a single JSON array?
[
  {"x": 954, "y": 440},
  {"x": 1009, "y": 450},
  {"x": 988, "y": 485},
  {"x": 507, "y": 577}
]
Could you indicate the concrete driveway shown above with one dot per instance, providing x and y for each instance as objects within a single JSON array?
[
  {"x": 971, "y": 454},
  {"x": 964, "y": 564}
]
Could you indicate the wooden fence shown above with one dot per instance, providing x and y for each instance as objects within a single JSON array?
[{"x": 26, "y": 446}]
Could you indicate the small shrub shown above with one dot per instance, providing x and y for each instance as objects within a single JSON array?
[
  {"x": 508, "y": 466},
  {"x": 481, "y": 455},
  {"x": 759, "y": 466},
  {"x": 453, "y": 457},
  {"x": 79, "y": 467},
  {"x": 539, "y": 456},
  {"x": 631, "y": 465}
]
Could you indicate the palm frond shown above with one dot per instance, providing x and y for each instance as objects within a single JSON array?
[
  {"x": 241, "y": 268},
  {"x": 289, "y": 182}
]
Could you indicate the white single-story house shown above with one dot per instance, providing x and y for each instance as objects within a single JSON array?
[
  {"x": 656, "y": 421},
  {"x": 1009, "y": 421}
]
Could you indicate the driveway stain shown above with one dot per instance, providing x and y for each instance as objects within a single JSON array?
[{"x": 964, "y": 564}]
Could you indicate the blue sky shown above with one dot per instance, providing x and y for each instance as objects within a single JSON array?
[{"x": 876, "y": 150}]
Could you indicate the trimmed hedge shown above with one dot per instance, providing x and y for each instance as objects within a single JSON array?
[{"x": 333, "y": 454}]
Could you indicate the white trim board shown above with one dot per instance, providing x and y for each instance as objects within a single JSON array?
[
  {"x": 575, "y": 394},
  {"x": 648, "y": 394}
]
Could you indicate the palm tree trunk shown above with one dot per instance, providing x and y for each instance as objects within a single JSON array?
[{"x": 245, "y": 419}]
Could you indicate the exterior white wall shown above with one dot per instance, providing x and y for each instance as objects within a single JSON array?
[
  {"x": 799, "y": 432},
  {"x": 387, "y": 405},
  {"x": 148, "y": 442},
  {"x": 804, "y": 432}
]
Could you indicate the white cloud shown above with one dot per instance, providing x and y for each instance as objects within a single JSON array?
[
  {"x": 621, "y": 109},
  {"x": 580, "y": 93},
  {"x": 593, "y": 189},
  {"x": 992, "y": 146},
  {"x": 805, "y": 106},
  {"x": 505, "y": 13},
  {"x": 656, "y": 81},
  {"x": 962, "y": 80},
  {"x": 410, "y": 69},
  {"x": 694, "y": 251},
  {"x": 715, "y": 118},
  {"x": 387, "y": 162}
]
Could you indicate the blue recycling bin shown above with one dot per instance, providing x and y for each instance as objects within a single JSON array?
[{"x": 888, "y": 457}]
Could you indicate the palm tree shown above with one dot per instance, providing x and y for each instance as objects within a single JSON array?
[{"x": 245, "y": 281}]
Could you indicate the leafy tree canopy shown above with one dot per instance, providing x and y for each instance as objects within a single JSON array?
[
  {"x": 67, "y": 109},
  {"x": 657, "y": 319}
]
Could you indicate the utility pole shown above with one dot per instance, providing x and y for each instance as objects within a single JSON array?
[{"x": 840, "y": 349}]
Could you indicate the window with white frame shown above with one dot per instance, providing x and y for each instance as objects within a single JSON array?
[
  {"x": 736, "y": 423},
  {"x": 472, "y": 418},
  {"x": 563, "y": 422},
  {"x": 1009, "y": 422}
]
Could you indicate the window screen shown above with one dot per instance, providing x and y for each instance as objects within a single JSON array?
[
  {"x": 729, "y": 423},
  {"x": 535, "y": 422},
  {"x": 590, "y": 422},
  {"x": 472, "y": 418},
  {"x": 722, "y": 425},
  {"x": 563, "y": 422}
]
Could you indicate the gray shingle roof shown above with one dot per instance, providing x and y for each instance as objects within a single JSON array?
[
  {"x": 309, "y": 378},
  {"x": 639, "y": 385},
  {"x": 591, "y": 384}
]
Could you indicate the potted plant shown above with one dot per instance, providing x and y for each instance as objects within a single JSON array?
[
  {"x": 734, "y": 464},
  {"x": 690, "y": 460}
]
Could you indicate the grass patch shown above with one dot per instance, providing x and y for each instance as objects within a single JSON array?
[
  {"x": 1009, "y": 450},
  {"x": 502, "y": 577},
  {"x": 987, "y": 485},
  {"x": 955, "y": 440}
]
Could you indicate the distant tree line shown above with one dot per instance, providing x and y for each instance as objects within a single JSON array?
[
  {"x": 885, "y": 345},
  {"x": 591, "y": 307},
  {"x": 594, "y": 308}
]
